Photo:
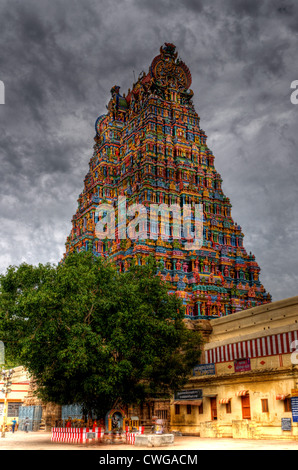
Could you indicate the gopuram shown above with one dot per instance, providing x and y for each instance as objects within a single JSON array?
[{"x": 150, "y": 149}]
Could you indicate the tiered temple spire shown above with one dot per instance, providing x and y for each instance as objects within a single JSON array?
[{"x": 150, "y": 148}]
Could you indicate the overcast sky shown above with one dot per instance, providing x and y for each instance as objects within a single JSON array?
[{"x": 58, "y": 62}]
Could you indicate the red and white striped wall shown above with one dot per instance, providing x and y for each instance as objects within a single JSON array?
[
  {"x": 131, "y": 436},
  {"x": 75, "y": 435},
  {"x": 258, "y": 347},
  {"x": 79, "y": 435}
]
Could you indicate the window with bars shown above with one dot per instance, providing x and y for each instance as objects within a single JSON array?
[
  {"x": 162, "y": 414},
  {"x": 13, "y": 409}
]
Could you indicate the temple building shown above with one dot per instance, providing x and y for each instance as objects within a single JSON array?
[
  {"x": 247, "y": 383},
  {"x": 150, "y": 149}
]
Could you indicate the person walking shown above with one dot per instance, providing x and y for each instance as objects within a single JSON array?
[
  {"x": 26, "y": 424},
  {"x": 13, "y": 424}
]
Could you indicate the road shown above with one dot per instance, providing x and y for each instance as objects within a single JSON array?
[{"x": 42, "y": 441}]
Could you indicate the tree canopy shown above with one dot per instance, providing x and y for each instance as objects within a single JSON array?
[{"x": 89, "y": 334}]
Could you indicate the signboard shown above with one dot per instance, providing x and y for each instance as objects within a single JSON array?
[
  {"x": 204, "y": 369},
  {"x": 286, "y": 424},
  {"x": 193, "y": 394},
  {"x": 90, "y": 435},
  {"x": 242, "y": 365},
  {"x": 294, "y": 392},
  {"x": 294, "y": 403}
]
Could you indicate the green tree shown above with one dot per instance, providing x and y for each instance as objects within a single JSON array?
[{"x": 89, "y": 334}]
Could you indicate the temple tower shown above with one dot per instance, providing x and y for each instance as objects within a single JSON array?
[{"x": 150, "y": 149}]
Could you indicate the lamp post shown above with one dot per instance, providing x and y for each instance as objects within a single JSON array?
[{"x": 6, "y": 377}]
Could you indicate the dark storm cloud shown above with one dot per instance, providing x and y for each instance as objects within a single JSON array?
[
  {"x": 60, "y": 59},
  {"x": 166, "y": 6}
]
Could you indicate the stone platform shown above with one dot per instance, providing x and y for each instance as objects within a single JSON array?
[{"x": 154, "y": 440}]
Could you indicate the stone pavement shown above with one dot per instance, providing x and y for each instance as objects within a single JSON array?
[{"x": 42, "y": 441}]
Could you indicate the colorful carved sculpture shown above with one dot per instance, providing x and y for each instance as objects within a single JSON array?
[{"x": 150, "y": 148}]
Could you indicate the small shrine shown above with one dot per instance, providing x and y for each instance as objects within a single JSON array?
[{"x": 115, "y": 421}]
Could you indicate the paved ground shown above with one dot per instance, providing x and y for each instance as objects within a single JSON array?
[{"x": 42, "y": 441}]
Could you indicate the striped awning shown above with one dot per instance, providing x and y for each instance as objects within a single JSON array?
[
  {"x": 263, "y": 346},
  {"x": 242, "y": 393},
  {"x": 282, "y": 397},
  {"x": 187, "y": 402},
  {"x": 224, "y": 401}
]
